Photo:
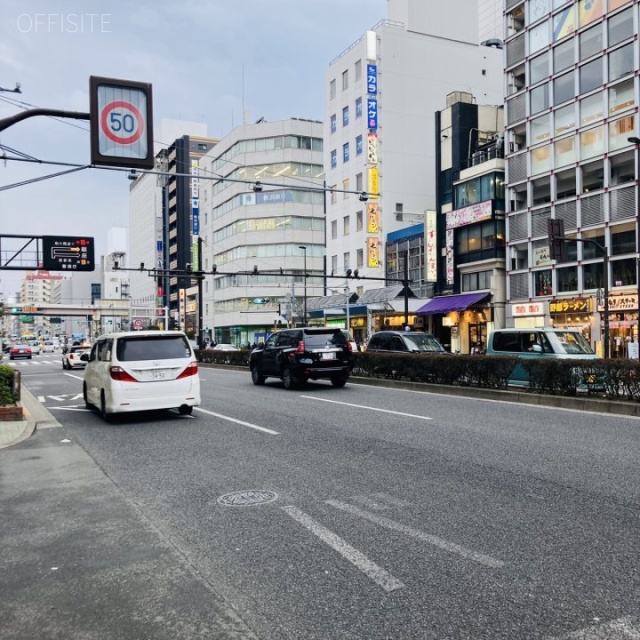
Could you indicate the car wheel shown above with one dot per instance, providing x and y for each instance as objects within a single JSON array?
[
  {"x": 87, "y": 404},
  {"x": 339, "y": 381},
  {"x": 107, "y": 417},
  {"x": 185, "y": 410},
  {"x": 289, "y": 380},
  {"x": 255, "y": 375}
]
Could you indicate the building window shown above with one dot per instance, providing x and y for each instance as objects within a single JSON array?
[
  {"x": 345, "y": 189},
  {"x": 359, "y": 258},
  {"x": 358, "y": 69},
  {"x": 621, "y": 96},
  {"x": 334, "y": 195},
  {"x": 345, "y": 80},
  {"x": 332, "y": 89},
  {"x": 591, "y": 75},
  {"x": 563, "y": 56},
  {"x": 539, "y": 68},
  {"x": 358, "y": 108},
  {"x": 334, "y": 264},
  {"x": 620, "y": 27},
  {"x": 345, "y": 152},
  {"x": 359, "y": 146},
  {"x": 621, "y": 62},
  {"x": 591, "y": 42},
  {"x": 359, "y": 221},
  {"x": 345, "y": 116},
  {"x": 563, "y": 88},
  {"x": 347, "y": 260},
  {"x": 334, "y": 229},
  {"x": 539, "y": 98},
  {"x": 334, "y": 159},
  {"x": 346, "y": 225},
  {"x": 332, "y": 120},
  {"x": 359, "y": 182}
]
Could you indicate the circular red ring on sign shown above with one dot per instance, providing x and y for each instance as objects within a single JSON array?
[{"x": 107, "y": 132}]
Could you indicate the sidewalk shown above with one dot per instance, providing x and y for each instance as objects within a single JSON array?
[{"x": 80, "y": 560}]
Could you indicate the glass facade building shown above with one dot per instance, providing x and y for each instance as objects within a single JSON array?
[{"x": 571, "y": 86}]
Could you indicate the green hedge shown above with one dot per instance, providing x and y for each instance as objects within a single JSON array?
[{"x": 8, "y": 392}]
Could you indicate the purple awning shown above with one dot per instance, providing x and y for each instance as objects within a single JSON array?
[{"x": 444, "y": 304}]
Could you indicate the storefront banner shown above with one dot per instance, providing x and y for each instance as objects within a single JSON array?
[
  {"x": 622, "y": 302},
  {"x": 571, "y": 305},
  {"x": 431, "y": 237},
  {"x": 373, "y": 252},
  {"x": 372, "y": 148},
  {"x": 374, "y": 183},
  {"x": 469, "y": 215},
  {"x": 527, "y": 309},
  {"x": 450, "y": 262},
  {"x": 373, "y": 218},
  {"x": 541, "y": 257}
]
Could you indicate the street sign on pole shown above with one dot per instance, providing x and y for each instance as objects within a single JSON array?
[{"x": 121, "y": 123}]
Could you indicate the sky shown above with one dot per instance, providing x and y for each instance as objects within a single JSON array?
[{"x": 207, "y": 60}]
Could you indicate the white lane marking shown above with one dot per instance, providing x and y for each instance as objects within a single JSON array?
[
  {"x": 244, "y": 424},
  {"x": 72, "y": 376},
  {"x": 621, "y": 629},
  {"x": 381, "y": 577},
  {"x": 58, "y": 398},
  {"x": 82, "y": 408},
  {"x": 362, "y": 406},
  {"x": 41, "y": 399},
  {"x": 445, "y": 545},
  {"x": 385, "y": 497},
  {"x": 368, "y": 502}
]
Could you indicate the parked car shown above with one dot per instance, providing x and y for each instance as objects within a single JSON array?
[
  {"x": 20, "y": 351},
  {"x": 405, "y": 341},
  {"x": 141, "y": 371},
  {"x": 297, "y": 355},
  {"x": 72, "y": 357},
  {"x": 222, "y": 346},
  {"x": 538, "y": 343}
]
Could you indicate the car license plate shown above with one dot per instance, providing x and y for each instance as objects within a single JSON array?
[
  {"x": 329, "y": 356},
  {"x": 158, "y": 375}
]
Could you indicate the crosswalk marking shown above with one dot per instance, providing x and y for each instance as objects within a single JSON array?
[
  {"x": 381, "y": 577},
  {"x": 445, "y": 545}
]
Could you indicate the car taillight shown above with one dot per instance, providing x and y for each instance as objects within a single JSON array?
[
  {"x": 300, "y": 348},
  {"x": 119, "y": 374},
  {"x": 191, "y": 370}
]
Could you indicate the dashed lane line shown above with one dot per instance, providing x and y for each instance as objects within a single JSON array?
[
  {"x": 241, "y": 422},
  {"x": 362, "y": 406}
]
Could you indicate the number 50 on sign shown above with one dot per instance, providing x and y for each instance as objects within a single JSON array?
[{"x": 121, "y": 123}]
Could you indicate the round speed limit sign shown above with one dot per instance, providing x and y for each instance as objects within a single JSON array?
[{"x": 121, "y": 122}]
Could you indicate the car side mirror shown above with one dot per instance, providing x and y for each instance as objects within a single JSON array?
[{"x": 536, "y": 348}]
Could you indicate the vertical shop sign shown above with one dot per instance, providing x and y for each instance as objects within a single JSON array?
[
  {"x": 372, "y": 148},
  {"x": 373, "y": 218},
  {"x": 373, "y": 252},
  {"x": 432, "y": 247},
  {"x": 372, "y": 113},
  {"x": 374, "y": 183},
  {"x": 195, "y": 199},
  {"x": 372, "y": 79}
]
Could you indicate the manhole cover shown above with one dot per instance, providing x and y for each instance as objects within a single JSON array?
[{"x": 247, "y": 498}]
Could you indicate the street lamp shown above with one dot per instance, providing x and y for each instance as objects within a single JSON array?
[
  {"x": 635, "y": 140},
  {"x": 304, "y": 319}
]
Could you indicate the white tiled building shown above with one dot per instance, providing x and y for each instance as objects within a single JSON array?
[{"x": 379, "y": 128}]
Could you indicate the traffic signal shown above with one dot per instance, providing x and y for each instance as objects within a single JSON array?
[{"x": 557, "y": 241}]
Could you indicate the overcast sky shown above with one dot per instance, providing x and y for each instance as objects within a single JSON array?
[{"x": 194, "y": 53}]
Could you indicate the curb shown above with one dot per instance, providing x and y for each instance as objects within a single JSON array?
[{"x": 21, "y": 430}]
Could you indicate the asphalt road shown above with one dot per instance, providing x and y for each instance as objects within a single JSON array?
[{"x": 372, "y": 513}]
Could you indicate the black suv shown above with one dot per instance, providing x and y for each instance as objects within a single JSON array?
[
  {"x": 297, "y": 355},
  {"x": 405, "y": 342}
]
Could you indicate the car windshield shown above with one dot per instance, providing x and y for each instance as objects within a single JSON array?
[
  {"x": 573, "y": 342},
  {"x": 423, "y": 342},
  {"x": 152, "y": 348}
]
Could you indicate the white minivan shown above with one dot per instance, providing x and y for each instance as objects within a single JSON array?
[{"x": 141, "y": 371}]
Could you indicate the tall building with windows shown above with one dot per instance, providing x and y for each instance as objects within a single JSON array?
[
  {"x": 262, "y": 210},
  {"x": 381, "y": 96},
  {"x": 571, "y": 107}
]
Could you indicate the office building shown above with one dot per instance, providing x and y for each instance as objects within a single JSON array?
[{"x": 572, "y": 97}]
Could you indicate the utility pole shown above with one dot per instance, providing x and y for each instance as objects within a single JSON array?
[{"x": 200, "y": 301}]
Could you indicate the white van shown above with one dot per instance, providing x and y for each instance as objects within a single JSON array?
[{"x": 141, "y": 371}]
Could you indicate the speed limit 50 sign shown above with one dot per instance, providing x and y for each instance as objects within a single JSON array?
[{"x": 121, "y": 123}]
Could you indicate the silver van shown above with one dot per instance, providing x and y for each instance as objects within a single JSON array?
[{"x": 538, "y": 343}]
